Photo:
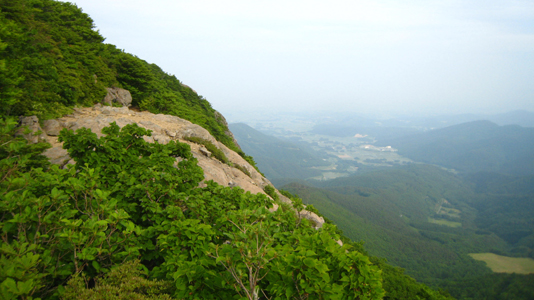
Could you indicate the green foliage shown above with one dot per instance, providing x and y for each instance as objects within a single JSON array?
[
  {"x": 269, "y": 190},
  {"x": 495, "y": 286},
  {"x": 305, "y": 273},
  {"x": 126, "y": 281},
  {"x": 400, "y": 286},
  {"x": 391, "y": 209},
  {"x": 15, "y": 154},
  {"x": 126, "y": 199}
]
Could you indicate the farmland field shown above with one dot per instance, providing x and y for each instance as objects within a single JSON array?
[{"x": 504, "y": 264}]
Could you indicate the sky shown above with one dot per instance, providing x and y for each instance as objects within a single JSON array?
[{"x": 393, "y": 57}]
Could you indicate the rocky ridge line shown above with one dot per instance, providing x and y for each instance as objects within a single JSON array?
[{"x": 164, "y": 129}]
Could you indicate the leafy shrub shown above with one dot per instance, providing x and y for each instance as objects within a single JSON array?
[
  {"x": 269, "y": 190},
  {"x": 125, "y": 281},
  {"x": 124, "y": 199}
]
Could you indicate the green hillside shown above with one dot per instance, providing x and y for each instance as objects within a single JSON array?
[
  {"x": 472, "y": 147},
  {"x": 428, "y": 221},
  {"x": 275, "y": 157},
  {"x": 505, "y": 206}
]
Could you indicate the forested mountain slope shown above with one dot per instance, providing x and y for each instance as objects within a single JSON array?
[
  {"x": 275, "y": 157},
  {"x": 434, "y": 219}
]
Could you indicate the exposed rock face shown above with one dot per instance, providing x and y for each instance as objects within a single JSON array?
[
  {"x": 318, "y": 221},
  {"x": 52, "y": 127},
  {"x": 164, "y": 128},
  {"x": 118, "y": 95}
]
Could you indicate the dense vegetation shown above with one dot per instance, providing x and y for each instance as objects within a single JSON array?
[
  {"x": 434, "y": 219},
  {"x": 505, "y": 204},
  {"x": 124, "y": 200}
]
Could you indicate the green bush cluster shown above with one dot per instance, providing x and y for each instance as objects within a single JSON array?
[
  {"x": 124, "y": 199},
  {"x": 269, "y": 190},
  {"x": 126, "y": 281}
]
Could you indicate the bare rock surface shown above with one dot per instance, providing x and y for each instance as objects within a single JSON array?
[
  {"x": 52, "y": 127},
  {"x": 165, "y": 128},
  {"x": 118, "y": 95},
  {"x": 35, "y": 132},
  {"x": 314, "y": 218}
]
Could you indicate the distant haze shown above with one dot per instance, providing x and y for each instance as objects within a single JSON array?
[{"x": 412, "y": 56}]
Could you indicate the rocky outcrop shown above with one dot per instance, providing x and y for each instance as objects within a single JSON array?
[
  {"x": 164, "y": 128},
  {"x": 52, "y": 127},
  {"x": 30, "y": 129},
  {"x": 313, "y": 217},
  {"x": 118, "y": 96}
]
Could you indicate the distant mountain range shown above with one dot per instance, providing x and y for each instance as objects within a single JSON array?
[
  {"x": 385, "y": 130},
  {"x": 472, "y": 147},
  {"x": 519, "y": 117}
]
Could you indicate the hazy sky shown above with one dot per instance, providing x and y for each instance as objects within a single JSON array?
[{"x": 343, "y": 55}]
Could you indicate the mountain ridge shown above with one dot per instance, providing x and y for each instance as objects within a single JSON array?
[{"x": 472, "y": 147}]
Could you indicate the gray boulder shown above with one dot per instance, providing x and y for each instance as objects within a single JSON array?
[
  {"x": 52, "y": 127},
  {"x": 57, "y": 155},
  {"x": 118, "y": 95},
  {"x": 35, "y": 133}
]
